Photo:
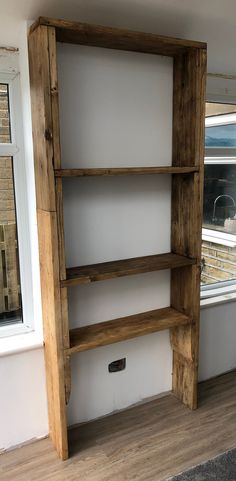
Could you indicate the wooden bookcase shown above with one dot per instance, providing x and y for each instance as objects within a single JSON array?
[{"x": 182, "y": 317}]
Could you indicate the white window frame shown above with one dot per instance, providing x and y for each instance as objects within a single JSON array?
[
  {"x": 15, "y": 149},
  {"x": 221, "y": 153},
  {"x": 224, "y": 291}
]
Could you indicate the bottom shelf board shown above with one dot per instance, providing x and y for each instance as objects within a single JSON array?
[{"x": 116, "y": 330}]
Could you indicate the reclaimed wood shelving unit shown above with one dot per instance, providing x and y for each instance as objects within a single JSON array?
[{"x": 182, "y": 317}]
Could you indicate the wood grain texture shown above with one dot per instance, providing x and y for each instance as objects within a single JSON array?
[
  {"x": 107, "y": 37},
  {"x": 52, "y": 49},
  {"x": 124, "y": 267},
  {"x": 53, "y": 336},
  {"x": 110, "y": 332},
  {"x": 188, "y": 149},
  {"x": 42, "y": 118},
  {"x": 148, "y": 442},
  {"x": 42, "y": 51},
  {"x": 184, "y": 259},
  {"x": 124, "y": 171},
  {"x": 52, "y": 59}
]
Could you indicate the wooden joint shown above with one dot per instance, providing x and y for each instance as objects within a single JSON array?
[
  {"x": 48, "y": 135},
  {"x": 182, "y": 341},
  {"x": 191, "y": 363},
  {"x": 67, "y": 377},
  {"x": 54, "y": 91}
]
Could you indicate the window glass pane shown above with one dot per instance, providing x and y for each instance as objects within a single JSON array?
[
  {"x": 10, "y": 295},
  {"x": 219, "y": 215},
  {"x": 219, "y": 206},
  {"x": 5, "y": 131},
  {"x": 221, "y": 136}
]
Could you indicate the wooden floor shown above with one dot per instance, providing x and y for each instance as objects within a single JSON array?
[{"x": 146, "y": 443}]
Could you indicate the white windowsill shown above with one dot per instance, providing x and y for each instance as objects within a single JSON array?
[
  {"x": 215, "y": 301},
  {"x": 218, "y": 237},
  {"x": 20, "y": 343}
]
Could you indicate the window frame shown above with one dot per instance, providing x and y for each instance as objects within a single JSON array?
[
  {"x": 224, "y": 291},
  {"x": 220, "y": 152},
  {"x": 15, "y": 149}
]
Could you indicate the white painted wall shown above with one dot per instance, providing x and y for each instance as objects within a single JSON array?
[
  {"x": 23, "y": 406},
  {"x": 116, "y": 110},
  {"x": 22, "y": 379},
  {"x": 217, "y": 334}
]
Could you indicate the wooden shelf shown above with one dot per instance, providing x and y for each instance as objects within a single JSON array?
[
  {"x": 124, "y": 267},
  {"x": 110, "y": 332},
  {"x": 189, "y": 79},
  {"x": 116, "y": 38},
  {"x": 105, "y": 172}
]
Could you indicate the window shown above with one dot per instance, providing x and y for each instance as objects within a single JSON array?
[
  {"x": 219, "y": 205},
  {"x": 15, "y": 262},
  {"x": 10, "y": 291},
  {"x": 221, "y": 136}
]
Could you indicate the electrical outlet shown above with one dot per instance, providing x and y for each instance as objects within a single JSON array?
[{"x": 117, "y": 366}]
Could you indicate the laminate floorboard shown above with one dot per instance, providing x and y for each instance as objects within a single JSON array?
[{"x": 148, "y": 442}]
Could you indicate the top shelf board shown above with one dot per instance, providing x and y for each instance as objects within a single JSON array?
[
  {"x": 105, "y": 172},
  {"x": 115, "y": 38}
]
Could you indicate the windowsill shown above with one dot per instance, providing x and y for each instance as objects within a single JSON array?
[
  {"x": 20, "y": 343},
  {"x": 217, "y": 237},
  {"x": 215, "y": 301}
]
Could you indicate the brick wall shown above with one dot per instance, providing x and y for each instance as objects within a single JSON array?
[
  {"x": 7, "y": 206},
  {"x": 4, "y": 115}
]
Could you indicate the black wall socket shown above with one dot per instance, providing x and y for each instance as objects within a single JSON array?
[{"x": 117, "y": 366}]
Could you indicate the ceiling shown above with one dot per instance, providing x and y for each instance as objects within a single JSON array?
[
  {"x": 213, "y": 21},
  {"x": 155, "y": 13}
]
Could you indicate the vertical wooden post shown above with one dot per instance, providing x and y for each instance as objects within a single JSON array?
[
  {"x": 42, "y": 57},
  {"x": 59, "y": 202},
  {"x": 188, "y": 149}
]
